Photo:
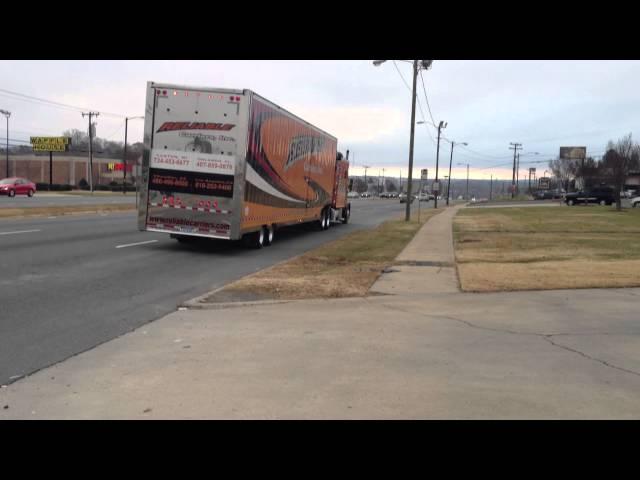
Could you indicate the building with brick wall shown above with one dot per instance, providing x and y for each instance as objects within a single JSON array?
[{"x": 67, "y": 169}]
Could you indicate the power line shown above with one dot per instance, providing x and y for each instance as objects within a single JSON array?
[
  {"x": 30, "y": 98},
  {"x": 425, "y": 96},
  {"x": 417, "y": 99}
]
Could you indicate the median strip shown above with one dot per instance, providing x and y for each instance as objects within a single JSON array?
[{"x": 64, "y": 210}]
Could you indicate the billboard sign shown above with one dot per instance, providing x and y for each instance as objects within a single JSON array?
[
  {"x": 424, "y": 174},
  {"x": 50, "y": 144},
  {"x": 544, "y": 183},
  {"x": 573, "y": 153}
]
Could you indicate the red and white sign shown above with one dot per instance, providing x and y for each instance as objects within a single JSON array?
[{"x": 193, "y": 161}]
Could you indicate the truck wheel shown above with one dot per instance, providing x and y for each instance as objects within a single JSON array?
[
  {"x": 322, "y": 223},
  {"x": 268, "y": 235},
  {"x": 182, "y": 238},
  {"x": 569, "y": 202},
  {"x": 603, "y": 202},
  {"x": 254, "y": 239},
  {"x": 328, "y": 222},
  {"x": 346, "y": 213}
]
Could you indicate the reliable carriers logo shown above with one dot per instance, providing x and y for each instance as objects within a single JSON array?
[
  {"x": 302, "y": 147},
  {"x": 173, "y": 126}
]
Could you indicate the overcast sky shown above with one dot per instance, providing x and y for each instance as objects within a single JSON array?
[{"x": 541, "y": 104}]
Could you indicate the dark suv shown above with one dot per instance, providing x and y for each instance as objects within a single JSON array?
[{"x": 601, "y": 195}]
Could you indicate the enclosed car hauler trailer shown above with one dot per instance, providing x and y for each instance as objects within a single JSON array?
[{"x": 229, "y": 164}]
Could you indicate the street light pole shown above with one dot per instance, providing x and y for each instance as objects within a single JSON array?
[
  {"x": 450, "y": 163},
  {"x": 416, "y": 68},
  {"x": 467, "y": 181},
  {"x": 441, "y": 125},
  {"x": 7, "y": 115}
]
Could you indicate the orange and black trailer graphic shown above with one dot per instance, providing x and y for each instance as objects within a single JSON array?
[{"x": 290, "y": 168}]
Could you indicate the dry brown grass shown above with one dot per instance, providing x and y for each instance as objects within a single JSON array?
[
  {"x": 343, "y": 268},
  {"x": 542, "y": 248},
  {"x": 493, "y": 277},
  {"x": 62, "y": 210}
]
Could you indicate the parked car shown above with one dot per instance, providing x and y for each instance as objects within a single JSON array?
[
  {"x": 635, "y": 202},
  {"x": 424, "y": 197},
  {"x": 601, "y": 195},
  {"x": 17, "y": 186},
  {"x": 403, "y": 198},
  {"x": 353, "y": 195},
  {"x": 543, "y": 195},
  {"x": 628, "y": 193},
  {"x": 365, "y": 195}
]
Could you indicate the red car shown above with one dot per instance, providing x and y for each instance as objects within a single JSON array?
[{"x": 17, "y": 186}]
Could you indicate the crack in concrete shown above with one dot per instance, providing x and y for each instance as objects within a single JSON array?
[
  {"x": 547, "y": 337},
  {"x": 603, "y": 362}
]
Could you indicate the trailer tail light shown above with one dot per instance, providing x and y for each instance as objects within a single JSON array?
[{"x": 175, "y": 93}]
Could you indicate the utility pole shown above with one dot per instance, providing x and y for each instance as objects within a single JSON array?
[
  {"x": 407, "y": 215},
  {"x": 515, "y": 147},
  {"x": 491, "y": 188},
  {"x": 400, "y": 182},
  {"x": 518, "y": 175},
  {"x": 365, "y": 177},
  {"x": 467, "y": 181},
  {"x": 383, "y": 186},
  {"x": 124, "y": 178},
  {"x": 90, "y": 114},
  {"x": 7, "y": 115},
  {"x": 441, "y": 125}
]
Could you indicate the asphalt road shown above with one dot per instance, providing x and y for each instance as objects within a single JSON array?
[
  {"x": 51, "y": 200},
  {"x": 69, "y": 284}
]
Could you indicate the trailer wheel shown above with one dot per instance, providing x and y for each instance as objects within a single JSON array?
[
  {"x": 346, "y": 213},
  {"x": 268, "y": 236},
  {"x": 322, "y": 222},
  {"x": 254, "y": 239},
  {"x": 328, "y": 222}
]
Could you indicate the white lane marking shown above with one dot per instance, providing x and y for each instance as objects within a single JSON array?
[
  {"x": 52, "y": 217},
  {"x": 134, "y": 244},
  {"x": 18, "y": 231}
]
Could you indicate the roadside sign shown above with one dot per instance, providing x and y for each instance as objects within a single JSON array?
[
  {"x": 424, "y": 174},
  {"x": 573, "y": 153},
  {"x": 544, "y": 183},
  {"x": 50, "y": 144},
  {"x": 436, "y": 186}
]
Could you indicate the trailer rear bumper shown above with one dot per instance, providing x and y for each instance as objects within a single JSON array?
[{"x": 186, "y": 233}]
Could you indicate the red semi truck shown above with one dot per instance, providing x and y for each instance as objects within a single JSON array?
[{"x": 230, "y": 164}]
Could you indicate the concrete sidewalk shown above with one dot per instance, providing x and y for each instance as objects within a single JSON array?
[{"x": 427, "y": 351}]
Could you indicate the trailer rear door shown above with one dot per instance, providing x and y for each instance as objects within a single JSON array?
[{"x": 198, "y": 138}]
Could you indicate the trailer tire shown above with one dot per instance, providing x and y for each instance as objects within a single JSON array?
[
  {"x": 254, "y": 239},
  {"x": 328, "y": 222},
  {"x": 268, "y": 235},
  {"x": 182, "y": 238},
  {"x": 346, "y": 213},
  {"x": 322, "y": 222}
]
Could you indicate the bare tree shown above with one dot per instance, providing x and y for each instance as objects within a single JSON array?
[
  {"x": 622, "y": 157},
  {"x": 564, "y": 170}
]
